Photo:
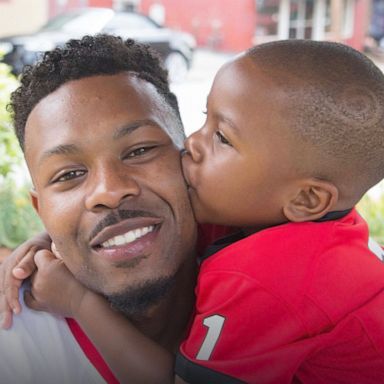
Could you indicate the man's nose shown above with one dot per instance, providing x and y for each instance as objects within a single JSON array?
[
  {"x": 109, "y": 186},
  {"x": 194, "y": 146}
]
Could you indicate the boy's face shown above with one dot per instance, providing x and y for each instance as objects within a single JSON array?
[{"x": 238, "y": 165}]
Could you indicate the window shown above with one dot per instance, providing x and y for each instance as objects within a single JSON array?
[
  {"x": 301, "y": 19},
  {"x": 267, "y": 17}
]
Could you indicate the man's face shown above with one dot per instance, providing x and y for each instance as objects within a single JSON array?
[{"x": 108, "y": 183}]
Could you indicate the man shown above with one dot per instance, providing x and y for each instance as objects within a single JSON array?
[
  {"x": 116, "y": 203},
  {"x": 101, "y": 134}
]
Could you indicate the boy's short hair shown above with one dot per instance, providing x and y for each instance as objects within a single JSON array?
[
  {"x": 336, "y": 104},
  {"x": 90, "y": 56}
]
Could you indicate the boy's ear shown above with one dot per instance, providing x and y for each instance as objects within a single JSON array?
[
  {"x": 314, "y": 200},
  {"x": 34, "y": 199}
]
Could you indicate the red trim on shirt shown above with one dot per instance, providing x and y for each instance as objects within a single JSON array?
[{"x": 91, "y": 352}]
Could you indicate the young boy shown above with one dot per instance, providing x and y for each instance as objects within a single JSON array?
[{"x": 294, "y": 137}]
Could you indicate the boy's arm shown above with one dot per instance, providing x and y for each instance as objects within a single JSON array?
[
  {"x": 13, "y": 271},
  {"x": 130, "y": 355}
]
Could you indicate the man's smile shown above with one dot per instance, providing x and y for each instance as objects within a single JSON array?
[{"x": 127, "y": 237}]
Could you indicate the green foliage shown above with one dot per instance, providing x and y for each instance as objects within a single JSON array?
[
  {"x": 10, "y": 153},
  {"x": 18, "y": 220},
  {"x": 372, "y": 209}
]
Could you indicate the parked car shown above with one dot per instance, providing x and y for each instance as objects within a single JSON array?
[{"x": 175, "y": 47}]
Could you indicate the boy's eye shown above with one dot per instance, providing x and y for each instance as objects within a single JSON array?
[
  {"x": 205, "y": 112},
  {"x": 74, "y": 174},
  {"x": 222, "y": 138}
]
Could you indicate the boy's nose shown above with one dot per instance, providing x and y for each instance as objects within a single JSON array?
[{"x": 193, "y": 146}]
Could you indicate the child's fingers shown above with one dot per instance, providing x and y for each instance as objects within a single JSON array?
[
  {"x": 12, "y": 281},
  {"x": 23, "y": 256},
  {"x": 43, "y": 257},
  {"x": 31, "y": 302},
  {"x": 12, "y": 296},
  {"x": 6, "y": 315},
  {"x": 26, "y": 266},
  {"x": 9, "y": 287},
  {"x": 55, "y": 251},
  {"x": 13, "y": 270},
  {"x": 5, "y": 309}
]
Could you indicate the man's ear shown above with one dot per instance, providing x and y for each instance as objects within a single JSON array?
[
  {"x": 314, "y": 199},
  {"x": 34, "y": 199}
]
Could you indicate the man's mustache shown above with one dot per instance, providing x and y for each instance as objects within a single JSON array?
[{"x": 117, "y": 216}]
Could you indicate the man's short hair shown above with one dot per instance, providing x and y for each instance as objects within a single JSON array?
[
  {"x": 336, "y": 101},
  {"x": 90, "y": 56}
]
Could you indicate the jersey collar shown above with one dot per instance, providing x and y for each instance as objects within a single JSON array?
[{"x": 240, "y": 235}]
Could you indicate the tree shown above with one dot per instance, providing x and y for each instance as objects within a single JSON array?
[
  {"x": 18, "y": 221},
  {"x": 10, "y": 154}
]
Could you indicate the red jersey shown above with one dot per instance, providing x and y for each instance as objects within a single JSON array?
[{"x": 295, "y": 303}]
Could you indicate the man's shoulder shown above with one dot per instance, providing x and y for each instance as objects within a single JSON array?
[{"x": 40, "y": 347}]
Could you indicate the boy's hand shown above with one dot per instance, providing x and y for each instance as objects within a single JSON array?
[
  {"x": 14, "y": 269},
  {"x": 54, "y": 288}
]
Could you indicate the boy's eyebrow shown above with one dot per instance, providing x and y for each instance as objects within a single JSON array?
[
  {"x": 129, "y": 128},
  {"x": 228, "y": 121}
]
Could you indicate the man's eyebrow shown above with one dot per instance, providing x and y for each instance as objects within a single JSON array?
[
  {"x": 63, "y": 149},
  {"x": 129, "y": 128},
  {"x": 69, "y": 149}
]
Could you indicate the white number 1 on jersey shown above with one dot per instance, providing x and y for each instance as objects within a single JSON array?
[{"x": 215, "y": 325}]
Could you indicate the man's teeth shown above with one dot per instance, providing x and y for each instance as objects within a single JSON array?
[{"x": 127, "y": 237}]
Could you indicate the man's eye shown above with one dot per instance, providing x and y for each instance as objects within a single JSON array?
[
  {"x": 138, "y": 152},
  {"x": 222, "y": 138},
  {"x": 70, "y": 175}
]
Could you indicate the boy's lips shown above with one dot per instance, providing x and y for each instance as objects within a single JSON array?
[{"x": 185, "y": 162}]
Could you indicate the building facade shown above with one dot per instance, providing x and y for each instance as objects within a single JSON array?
[
  {"x": 235, "y": 25},
  {"x": 226, "y": 25}
]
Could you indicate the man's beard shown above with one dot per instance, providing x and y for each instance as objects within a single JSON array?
[{"x": 135, "y": 301}]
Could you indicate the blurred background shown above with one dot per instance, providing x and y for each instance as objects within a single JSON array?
[{"x": 193, "y": 37}]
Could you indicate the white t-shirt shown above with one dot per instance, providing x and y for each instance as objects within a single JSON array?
[{"x": 41, "y": 349}]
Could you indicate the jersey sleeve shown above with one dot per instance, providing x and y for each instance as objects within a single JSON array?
[{"x": 239, "y": 332}]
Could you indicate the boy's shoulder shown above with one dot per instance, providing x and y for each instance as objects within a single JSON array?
[
  {"x": 213, "y": 238},
  {"x": 290, "y": 243},
  {"x": 326, "y": 263}
]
